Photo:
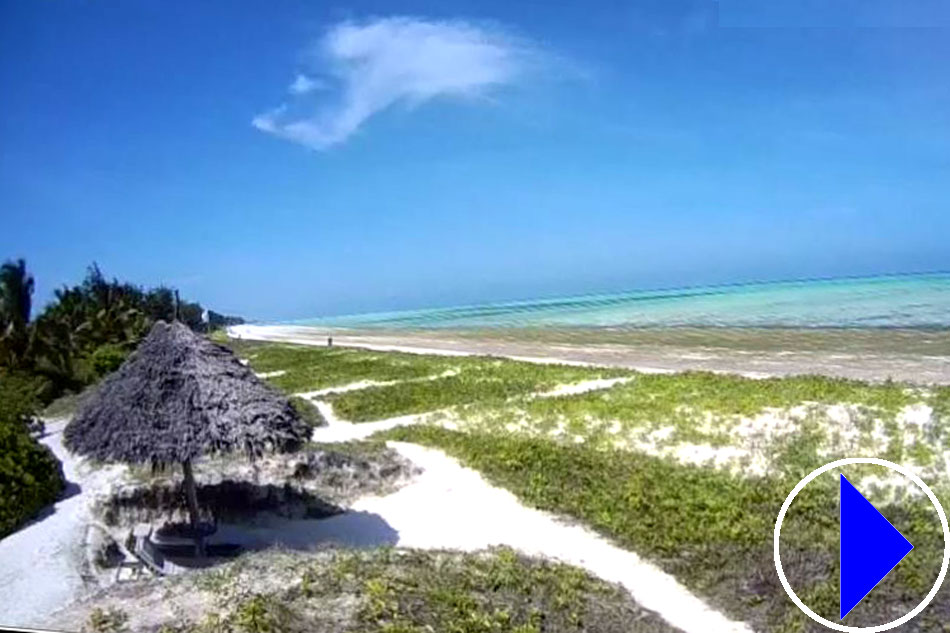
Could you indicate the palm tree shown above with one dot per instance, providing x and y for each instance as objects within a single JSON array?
[
  {"x": 16, "y": 292},
  {"x": 16, "y": 299}
]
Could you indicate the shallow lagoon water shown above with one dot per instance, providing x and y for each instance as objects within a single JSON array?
[{"x": 894, "y": 301}]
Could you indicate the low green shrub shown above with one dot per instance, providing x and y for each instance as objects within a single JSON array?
[
  {"x": 107, "y": 358},
  {"x": 30, "y": 475},
  {"x": 106, "y": 621},
  {"x": 21, "y": 395},
  {"x": 307, "y": 411}
]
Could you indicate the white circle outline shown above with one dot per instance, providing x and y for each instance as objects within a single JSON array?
[{"x": 946, "y": 545}]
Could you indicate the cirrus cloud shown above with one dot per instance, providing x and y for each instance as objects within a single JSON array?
[{"x": 363, "y": 68}]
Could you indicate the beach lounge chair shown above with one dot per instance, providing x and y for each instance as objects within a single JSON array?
[
  {"x": 140, "y": 553},
  {"x": 153, "y": 557},
  {"x": 175, "y": 541}
]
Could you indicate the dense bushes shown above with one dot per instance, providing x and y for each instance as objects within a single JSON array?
[{"x": 30, "y": 476}]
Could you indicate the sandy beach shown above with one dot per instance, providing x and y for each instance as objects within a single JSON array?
[{"x": 921, "y": 357}]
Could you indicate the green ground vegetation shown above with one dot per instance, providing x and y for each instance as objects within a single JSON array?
[
  {"x": 940, "y": 401},
  {"x": 484, "y": 386},
  {"x": 370, "y": 450},
  {"x": 310, "y": 368},
  {"x": 485, "y": 381},
  {"x": 707, "y": 408},
  {"x": 62, "y": 407},
  {"x": 710, "y": 529},
  {"x": 421, "y": 382},
  {"x": 398, "y": 591}
]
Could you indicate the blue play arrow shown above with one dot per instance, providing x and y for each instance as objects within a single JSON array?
[{"x": 870, "y": 547}]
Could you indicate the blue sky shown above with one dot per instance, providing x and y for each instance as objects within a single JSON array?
[{"x": 289, "y": 159}]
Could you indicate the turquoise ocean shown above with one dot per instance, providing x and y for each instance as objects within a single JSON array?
[{"x": 892, "y": 301}]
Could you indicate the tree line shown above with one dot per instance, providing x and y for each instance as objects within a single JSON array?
[{"x": 86, "y": 331}]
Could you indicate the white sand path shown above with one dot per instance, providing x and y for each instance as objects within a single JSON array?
[
  {"x": 449, "y": 506},
  {"x": 363, "y": 384},
  {"x": 472, "y": 515},
  {"x": 271, "y": 374},
  {"x": 41, "y": 563},
  {"x": 577, "y": 388},
  {"x": 339, "y": 430}
]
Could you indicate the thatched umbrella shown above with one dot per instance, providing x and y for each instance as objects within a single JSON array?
[{"x": 177, "y": 397}]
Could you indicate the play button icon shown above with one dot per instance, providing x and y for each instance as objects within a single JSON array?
[{"x": 870, "y": 547}]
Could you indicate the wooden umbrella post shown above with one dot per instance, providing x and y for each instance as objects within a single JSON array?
[{"x": 191, "y": 495}]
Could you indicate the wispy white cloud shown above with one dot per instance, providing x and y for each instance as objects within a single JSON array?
[
  {"x": 363, "y": 68},
  {"x": 303, "y": 84}
]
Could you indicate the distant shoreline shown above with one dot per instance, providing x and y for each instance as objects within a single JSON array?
[{"x": 914, "y": 355}]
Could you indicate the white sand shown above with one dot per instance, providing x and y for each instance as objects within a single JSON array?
[
  {"x": 303, "y": 336},
  {"x": 353, "y": 386},
  {"x": 338, "y": 430},
  {"x": 365, "y": 384},
  {"x": 41, "y": 563},
  {"x": 582, "y": 387},
  {"x": 271, "y": 374}
]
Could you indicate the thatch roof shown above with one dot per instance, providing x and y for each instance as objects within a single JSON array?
[{"x": 179, "y": 396}]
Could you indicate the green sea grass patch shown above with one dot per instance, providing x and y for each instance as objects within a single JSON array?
[{"x": 727, "y": 340}]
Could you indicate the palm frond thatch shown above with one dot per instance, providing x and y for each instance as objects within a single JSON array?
[{"x": 180, "y": 396}]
